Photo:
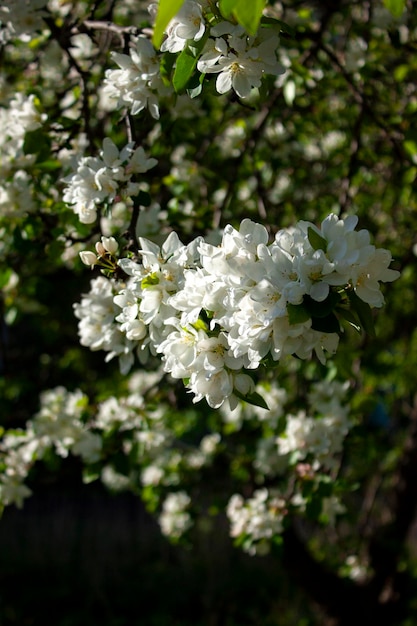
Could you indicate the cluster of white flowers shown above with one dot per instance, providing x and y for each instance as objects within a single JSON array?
[
  {"x": 98, "y": 328},
  {"x": 212, "y": 312},
  {"x": 175, "y": 520},
  {"x": 20, "y": 116},
  {"x": 57, "y": 425},
  {"x": 311, "y": 439},
  {"x": 106, "y": 178},
  {"x": 240, "y": 61},
  {"x": 137, "y": 83},
  {"x": 257, "y": 520},
  {"x": 317, "y": 439},
  {"x": 307, "y": 449}
]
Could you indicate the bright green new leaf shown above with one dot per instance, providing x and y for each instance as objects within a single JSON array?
[
  {"x": 150, "y": 280},
  {"x": 4, "y": 279},
  {"x": 167, "y": 9},
  {"x": 49, "y": 166},
  {"x": 247, "y": 14},
  {"x": 396, "y": 7},
  {"x": 184, "y": 69}
]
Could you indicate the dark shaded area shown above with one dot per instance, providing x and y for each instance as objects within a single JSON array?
[{"x": 83, "y": 556}]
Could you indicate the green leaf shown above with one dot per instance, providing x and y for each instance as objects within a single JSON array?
[
  {"x": 283, "y": 27},
  {"x": 350, "y": 317},
  {"x": 324, "y": 308},
  {"x": 297, "y": 313},
  {"x": 90, "y": 474},
  {"x": 396, "y": 7},
  {"x": 194, "y": 92},
  {"x": 166, "y": 65},
  {"x": 317, "y": 242},
  {"x": 252, "y": 398},
  {"x": 4, "y": 279},
  {"x": 37, "y": 142},
  {"x": 184, "y": 70},
  {"x": 49, "y": 166},
  {"x": 195, "y": 85},
  {"x": 363, "y": 311},
  {"x": 167, "y": 9},
  {"x": 410, "y": 142},
  {"x": 313, "y": 508},
  {"x": 150, "y": 280},
  {"x": 200, "y": 325},
  {"x": 247, "y": 14},
  {"x": 327, "y": 324}
]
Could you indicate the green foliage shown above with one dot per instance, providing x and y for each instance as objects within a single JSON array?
[
  {"x": 185, "y": 66},
  {"x": 396, "y": 7},
  {"x": 247, "y": 14},
  {"x": 317, "y": 241}
]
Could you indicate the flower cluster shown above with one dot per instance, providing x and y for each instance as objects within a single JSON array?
[
  {"x": 174, "y": 519},
  {"x": 317, "y": 439},
  {"x": 257, "y": 520},
  {"x": 57, "y": 425},
  {"x": 160, "y": 463},
  {"x": 298, "y": 454},
  {"x": 20, "y": 117},
  {"x": 98, "y": 328},
  {"x": 221, "y": 47},
  {"x": 101, "y": 180},
  {"x": 214, "y": 312},
  {"x": 68, "y": 423},
  {"x": 137, "y": 83}
]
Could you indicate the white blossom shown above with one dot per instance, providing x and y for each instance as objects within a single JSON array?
[
  {"x": 257, "y": 520},
  {"x": 213, "y": 312},
  {"x": 174, "y": 519},
  {"x": 188, "y": 24}
]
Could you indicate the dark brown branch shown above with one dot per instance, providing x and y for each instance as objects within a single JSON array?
[
  {"x": 122, "y": 32},
  {"x": 63, "y": 37},
  {"x": 130, "y": 234}
]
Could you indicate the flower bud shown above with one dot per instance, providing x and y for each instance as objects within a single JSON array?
[
  {"x": 88, "y": 258},
  {"x": 100, "y": 249},
  {"x": 110, "y": 244}
]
